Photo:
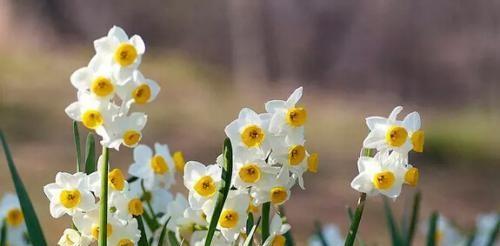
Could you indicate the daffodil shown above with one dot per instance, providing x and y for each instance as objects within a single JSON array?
[
  {"x": 155, "y": 170},
  {"x": 69, "y": 194},
  {"x": 12, "y": 215},
  {"x": 138, "y": 89},
  {"x": 287, "y": 117},
  {"x": 292, "y": 155},
  {"x": 123, "y": 54},
  {"x": 72, "y": 237},
  {"x": 91, "y": 112},
  {"x": 202, "y": 182},
  {"x": 275, "y": 190},
  {"x": 116, "y": 180},
  {"x": 233, "y": 216},
  {"x": 249, "y": 133},
  {"x": 124, "y": 130},
  {"x": 379, "y": 175},
  {"x": 248, "y": 172},
  {"x": 331, "y": 234},
  {"x": 277, "y": 230},
  {"x": 96, "y": 78}
]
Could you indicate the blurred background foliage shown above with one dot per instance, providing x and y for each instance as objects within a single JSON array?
[{"x": 354, "y": 59}]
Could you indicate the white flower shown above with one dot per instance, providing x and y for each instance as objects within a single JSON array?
[
  {"x": 275, "y": 190},
  {"x": 126, "y": 205},
  {"x": 116, "y": 180},
  {"x": 11, "y": 213},
  {"x": 122, "y": 53},
  {"x": 485, "y": 225},
  {"x": 248, "y": 171},
  {"x": 182, "y": 217},
  {"x": 138, "y": 89},
  {"x": 155, "y": 170},
  {"x": 379, "y": 175},
  {"x": 233, "y": 216},
  {"x": 96, "y": 79},
  {"x": 331, "y": 234},
  {"x": 91, "y": 112},
  {"x": 202, "y": 182},
  {"x": 249, "y": 133},
  {"x": 158, "y": 197},
  {"x": 124, "y": 130},
  {"x": 287, "y": 118},
  {"x": 198, "y": 239},
  {"x": 69, "y": 194},
  {"x": 276, "y": 230},
  {"x": 392, "y": 134},
  {"x": 446, "y": 234},
  {"x": 292, "y": 155},
  {"x": 72, "y": 237}
]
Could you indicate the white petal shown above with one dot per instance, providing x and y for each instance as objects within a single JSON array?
[
  {"x": 362, "y": 183},
  {"x": 56, "y": 210},
  {"x": 104, "y": 45},
  {"x": 118, "y": 33},
  {"x": 374, "y": 120},
  {"x": 81, "y": 78},
  {"x": 142, "y": 154},
  {"x": 275, "y": 105},
  {"x": 395, "y": 112},
  {"x": 138, "y": 43},
  {"x": 74, "y": 111},
  {"x": 295, "y": 97},
  {"x": 412, "y": 121}
]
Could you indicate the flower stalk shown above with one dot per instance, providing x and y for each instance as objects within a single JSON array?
[
  {"x": 266, "y": 210},
  {"x": 103, "y": 209},
  {"x": 353, "y": 230}
]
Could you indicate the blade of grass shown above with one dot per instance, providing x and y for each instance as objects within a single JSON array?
[
  {"x": 250, "y": 222},
  {"x": 3, "y": 234},
  {"x": 353, "y": 229},
  {"x": 319, "y": 233},
  {"x": 494, "y": 233},
  {"x": 76, "y": 137},
  {"x": 172, "y": 239},
  {"x": 34, "y": 229},
  {"x": 249, "y": 239},
  {"x": 103, "y": 209},
  {"x": 227, "y": 172},
  {"x": 431, "y": 233},
  {"x": 391, "y": 223},
  {"x": 90, "y": 163},
  {"x": 143, "y": 241},
  {"x": 414, "y": 217},
  {"x": 163, "y": 232}
]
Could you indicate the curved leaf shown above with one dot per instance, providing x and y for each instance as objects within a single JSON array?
[
  {"x": 90, "y": 163},
  {"x": 431, "y": 233},
  {"x": 163, "y": 232},
  {"x": 143, "y": 241},
  {"x": 248, "y": 240}
]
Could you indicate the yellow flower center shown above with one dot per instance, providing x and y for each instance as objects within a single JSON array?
[
  {"x": 296, "y": 154},
  {"x": 312, "y": 163},
  {"x": 396, "y": 136},
  {"x": 92, "y": 119},
  {"x": 70, "y": 198},
  {"x": 116, "y": 179},
  {"x": 159, "y": 165},
  {"x": 252, "y": 136},
  {"x": 95, "y": 231},
  {"x": 14, "y": 217},
  {"x": 125, "y": 242},
  {"x": 278, "y": 195},
  {"x": 250, "y": 173},
  {"x": 412, "y": 176},
  {"x": 141, "y": 94},
  {"x": 279, "y": 240},
  {"x": 228, "y": 218},
  {"x": 102, "y": 86},
  {"x": 384, "y": 180},
  {"x": 296, "y": 116},
  {"x": 417, "y": 139},
  {"x": 205, "y": 186},
  {"x": 179, "y": 161},
  {"x": 131, "y": 138},
  {"x": 125, "y": 54},
  {"x": 135, "y": 207}
]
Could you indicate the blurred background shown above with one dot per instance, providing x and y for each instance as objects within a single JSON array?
[{"x": 211, "y": 58}]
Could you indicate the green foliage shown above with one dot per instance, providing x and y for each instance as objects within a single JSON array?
[
  {"x": 163, "y": 232},
  {"x": 288, "y": 235},
  {"x": 34, "y": 229},
  {"x": 143, "y": 241},
  {"x": 414, "y": 218},
  {"x": 431, "y": 233},
  {"x": 3, "y": 234},
  {"x": 266, "y": 211},
  {"x": 171, "y": 239},
  {"x": 76, "y": 137},
  {"x": 103, "y": 203},
  {"x": 353, "y": 229},
  {"x": 249, "y": 239},
  {"x": 90, "y": 162},
  {"x": 319, "y": 233},
  {"x": 391, "y": 224}
]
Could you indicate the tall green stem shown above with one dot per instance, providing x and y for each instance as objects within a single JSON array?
[
  {"x": 76, "y": 136},
  {"x": 266, "y": 210},
  {"x": 353, "y": 230},
  {"x": 103, "y": 209}
]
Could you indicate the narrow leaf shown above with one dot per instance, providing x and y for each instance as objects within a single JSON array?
[
  {"x": 249, "y": 239},
  {"x": 319, "y": 233},
  {"x": 414, "y": 217},
  {"x": 494, "y": 233},
  {"x": 163, "y": 232},
  {"x": 76, "y": 135},
  {"x": 227, "y": 172},
  {"x": 288, "y": 235},
  {"x": 172, "y": 239},
  {"x": 143, "y": 241},
  {"x": 3, "y": 234},
  {"x": 353, "y": 229},
  {"x": 431, "y": 233},
  {"x": 391, "y": 223},
  {"x": 103, "y": 206},
  {"x": 34, "y": 229},
  {"x": 250, "y": 222},
  {"x": 266, "y": 211},
  {"x": 90, "y": 163}
]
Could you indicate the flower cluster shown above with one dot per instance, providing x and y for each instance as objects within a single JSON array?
[
  {"x": 13, "y": 217},
  {"x": 107, "y": 88},
  {"x": 386, "y": 171}
]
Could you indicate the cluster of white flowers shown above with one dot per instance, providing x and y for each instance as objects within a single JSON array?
[
  {"x": 269, "y": 157},
  {"x": 13, "y": 217},
  {"x": 387, "y": 171},
  {"x": 108, "y": 87}
]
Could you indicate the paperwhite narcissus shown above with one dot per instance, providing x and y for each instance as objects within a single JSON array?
[
  {"x": 292, "y": 155},
  {"x": 331, "y": 234},
  {"x": 124, "y": 130},
  {"x": 12, "y": 215},
  {"x": 91, "y": 112},
  {"x": 154, "y": 170},
  {"x": 116, "y": 180},
  {"x": 123, "y": 54},
  {"x": 138, "y": 90},
  {"x": 202, "y": 182},
  {"x": 287, "y": 118},
  {"x": 276, "y": 232},
  {"x": 248, "y": 172},
  {"x": 249, "y": 133},
  {"x": 379, "y": 175},
  {"x": 126, "y": 205},
  {"x": 96, "y": 79},
  {"x": 274, "y": 189},
  {"x": 233, "y": 216},
  {"x": 69, "y": 194},
  {"x": 72, "y": 237}
]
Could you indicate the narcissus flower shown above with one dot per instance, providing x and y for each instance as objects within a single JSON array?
[
  {"x": 202, "y": 182},
  {"x": 138, "y": 90},
  {"x": 276, "y": 232},
  {"x": 287, "y": 118},
  {"x": 183, "y": 218},
  {"x": 275, "y": 190},
  {"x": 96, "y": 79},
  {"x": 249, "y": 132},
  {"x": 158, "y": 197},
  {"x": 72, "y": 237},
  {"x": 91, "y": 112},
  {"x": 13, "y": 217},
  {"x": 69, "y": 194},
  {"x": 155, "y": 170},
  {"x": 198, "y": 239},
  {"x": 126, "y": 130},
  {"x": 248, "y": 172},
  {"x": 126, "y": 205},
  {"x": 292, "y": 155}
]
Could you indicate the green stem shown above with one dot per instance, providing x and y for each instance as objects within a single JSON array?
[
  {"x": 266, "y": 210},
  {"x": 76, "y": 135},
  {"x": 319, "y": 232},
  {"x": 351, "y": 236},
  {"x": 103, "y": 209}
]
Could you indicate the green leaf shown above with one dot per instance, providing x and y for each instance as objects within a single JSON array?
[
  {"x": 288, "y": 235},
  {"x": 391, "y": 223},
  {"x": 76, "y": 136},
  {"x": 353, "y": 229},
  {"x": 431, "y": 233},
  {"x": 227, "y": 172},
  {"x": 34, "y": 229},
  {"x": 143, "y": 241},
  {"x": 172, "y": 239},
  {"x": 103, "y": 204},
  {"x": 470, "y": 238},
  {"x": 414, "y": 217},
  {"x": 266, "y": 211},
  {"x": 249, "y": 239},
  {"x": 350, "y": 214},
  {"x": 3, "y": 234},
  {"x": 250, "y": 222},
  {"x": 90, "y": 163},
  {"x": 163, "y": 232},
  {"x": 494, "y": 233},
  {"x": 319, "y": 233}
]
